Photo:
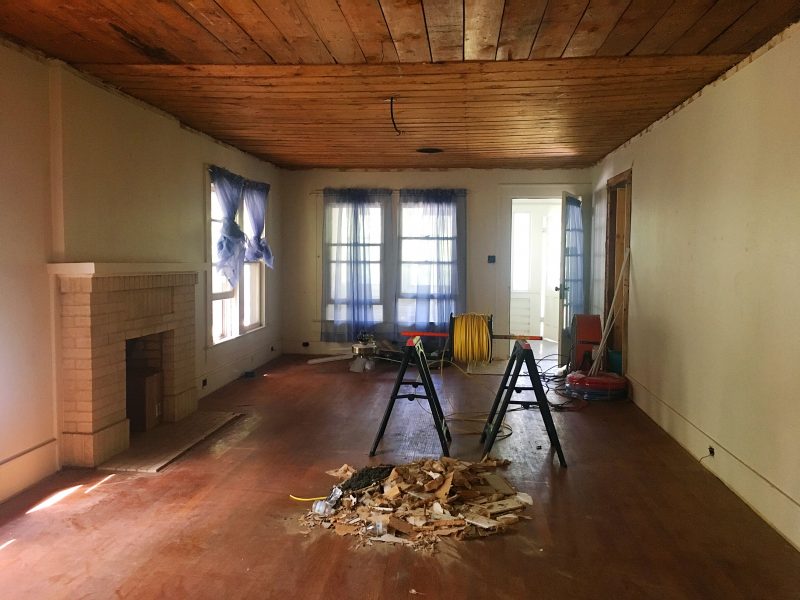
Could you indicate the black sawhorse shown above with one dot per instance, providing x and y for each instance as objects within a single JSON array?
[
  {"x": 414, "y": 354},
  {"x": 521, "y": 355}
]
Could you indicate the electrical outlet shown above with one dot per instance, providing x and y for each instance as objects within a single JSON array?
[
  {"x": 711, "y": 451},
  {"x": 305, "y": 344}
]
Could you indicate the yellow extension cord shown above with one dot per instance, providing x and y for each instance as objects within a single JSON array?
[{"x": 471, "y": 338}]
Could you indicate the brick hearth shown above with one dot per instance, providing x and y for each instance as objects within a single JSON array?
[{"x": 98, "y": 314}]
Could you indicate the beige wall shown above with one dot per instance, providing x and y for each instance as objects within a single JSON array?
[
  {"x": 714, "y": 320},
  {"x": 488, "y": 231},
  {"x": 90, "y": 175},
  {"x": 135, "y": 191},
  {"x": 27, "y": 412}
]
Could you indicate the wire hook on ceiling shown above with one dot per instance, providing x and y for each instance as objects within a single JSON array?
[{"x": 391, "y": 112}]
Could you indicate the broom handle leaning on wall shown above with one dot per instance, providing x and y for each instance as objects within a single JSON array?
[{"x": 611, "y": 315}]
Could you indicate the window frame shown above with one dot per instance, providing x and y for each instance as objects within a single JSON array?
[
  {"x": 453, "y": 264},
  {"x": 236, "y": 293},
  {"x": 390, "y": 264},
  {"x": 327, "y": 250}
]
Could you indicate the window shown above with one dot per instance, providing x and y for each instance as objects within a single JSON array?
[
  {"x": 239, "y": 253},
  {"x": 354, "y": 252},
  {"x": 429, "y": 273},
  {"x": 381, "y": 277}
]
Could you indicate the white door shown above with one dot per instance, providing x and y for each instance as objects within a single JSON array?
[
  {"x": 535, "y": 267},
  {"x": 571, "y": 285}
]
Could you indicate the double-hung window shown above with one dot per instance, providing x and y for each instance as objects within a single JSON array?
[
  {"x": 354, "y": 251},
  {"x": 431, "y": 258},
  {"x": 391, "y": 261},
  {"x": 238, "y": 254}
]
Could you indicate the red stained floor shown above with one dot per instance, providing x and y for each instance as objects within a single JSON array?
[{"x": 634, "y": 515}]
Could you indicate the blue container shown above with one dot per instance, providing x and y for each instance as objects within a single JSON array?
[{"x": 615, "y": 361}]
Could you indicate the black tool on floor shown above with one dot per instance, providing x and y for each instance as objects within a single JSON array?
[
  {"x": 520, "y": 355},
  {"x": 413, "y": 353}
]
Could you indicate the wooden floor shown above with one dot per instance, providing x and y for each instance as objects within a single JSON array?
[
  {"x": 634, "y": 516},
  {"x": 151, "y": 451}
]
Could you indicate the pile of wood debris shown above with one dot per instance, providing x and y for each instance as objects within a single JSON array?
[{"x": 418, "y": 503}]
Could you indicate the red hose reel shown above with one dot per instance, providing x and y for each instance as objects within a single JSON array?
[{"x": 603, "y": 386}]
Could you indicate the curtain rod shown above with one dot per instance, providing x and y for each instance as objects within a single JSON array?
[{"x": 321, "y": 190}]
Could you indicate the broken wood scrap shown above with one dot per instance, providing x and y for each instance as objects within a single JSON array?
[
  {"x": 481, "y": 521},
  {"x": 343, "y": 472},
  {"x": 401, "y": 525},
  {"x": 418, "y": 503},
  {"x": 499, "y": 483}
]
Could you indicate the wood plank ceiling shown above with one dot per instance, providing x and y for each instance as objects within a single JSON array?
[{"x": 493, "y": 83}]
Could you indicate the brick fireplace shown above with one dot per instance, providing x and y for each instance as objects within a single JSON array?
[{"x": 98, "y": 314}]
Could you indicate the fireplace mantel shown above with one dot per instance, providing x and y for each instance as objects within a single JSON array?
[{"x": 100, "y": 306}]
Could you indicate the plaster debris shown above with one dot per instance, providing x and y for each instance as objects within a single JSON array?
[{"x": 418, "y": 503}]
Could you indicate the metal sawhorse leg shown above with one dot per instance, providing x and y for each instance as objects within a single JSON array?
[
  {"x": 521, "y": 355},
  {"x": 414, "y": 354}
]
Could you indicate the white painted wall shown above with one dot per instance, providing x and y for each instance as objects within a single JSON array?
[
  {"x": 89, "y": 175},
  {"x": 715, "y": 254},
  {"x": 489, "y": 194},
  {"x": 27, "y": 414},
  {"x": 135, "y": 191}
]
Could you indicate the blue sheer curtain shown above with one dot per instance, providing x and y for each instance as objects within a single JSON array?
[
  {"x": 430, "y": 280},
  {"x": 231, "y": 242},
  {"x": 353, "y": 255},
  {"x": 255, "y": 202},
  {"x": 573, "y": 262}
]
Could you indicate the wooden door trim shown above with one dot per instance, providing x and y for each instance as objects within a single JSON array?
[{"x": 622, "y": 181}]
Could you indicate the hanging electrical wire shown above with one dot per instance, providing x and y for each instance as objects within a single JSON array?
[{"x": 391, "y": 112}]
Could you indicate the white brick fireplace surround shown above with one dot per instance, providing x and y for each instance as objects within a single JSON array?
[{"x": 98, "y": 313}]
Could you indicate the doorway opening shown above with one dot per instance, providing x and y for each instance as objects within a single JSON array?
[
  {"x": 536, "y": 273},
  {"x": 618, "y": 239}
]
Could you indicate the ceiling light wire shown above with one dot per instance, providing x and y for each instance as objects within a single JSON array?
[{"x": 391, "y": 112}]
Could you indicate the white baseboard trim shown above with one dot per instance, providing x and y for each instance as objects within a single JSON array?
[
  {"x": 30, "y": 466},
  {"x": 772, "y": 504},
  {"x": 233, "y": 369}
]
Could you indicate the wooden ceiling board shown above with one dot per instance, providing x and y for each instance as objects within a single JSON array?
[
  {"x": 63, "y": 33},
  {"x": 158, "y": 27},
  {"x": 569, "y": 112},
  {"x": 637, "y": 20},
  {"x": 366, "y": 21},
  {"x": 790, "y": 16},
  {"x": 482, "y": 20},
  {"x": 521, "y": 20},
  {"x": 299, "y": 33},
  {"x": 679, "y": 18},
  {"x": 718, "y": 18},
  {"x": 759, "y": 18},
  {"x": 330, "y": 24},
  {"x": 217, "y": 22},
  {"x": 261, "y": 30},
  {"x": 113, "y": 31},
  {"x": 445, "y": 23},
  {"x": 597, "y": 21},
  {"x": 406, "y": 22},
  {"x": 306, "y": 83},
  {"x": 561, "y": 18}
]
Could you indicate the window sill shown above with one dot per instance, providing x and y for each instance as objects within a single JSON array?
[{"x": 238, "y": 337}]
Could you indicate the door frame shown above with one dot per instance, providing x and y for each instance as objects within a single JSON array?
[
  {"x": 618, "y": 237},
  {"x": 565, "y": 341},
  {"x": 500, "y": 243},
  {"x": 539, "y": 203}
]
